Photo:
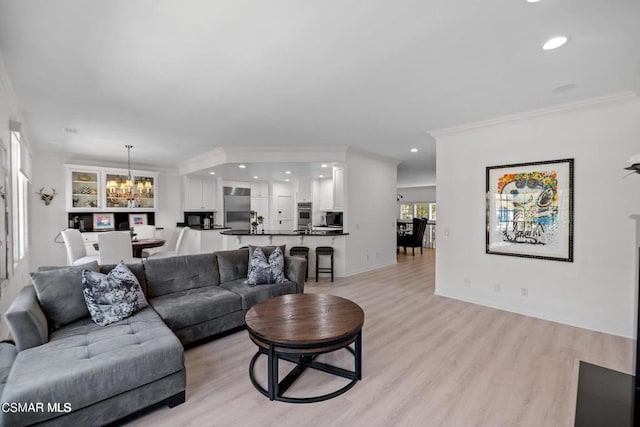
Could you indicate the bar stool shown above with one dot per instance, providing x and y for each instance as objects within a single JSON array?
[
  {"x": 324, "y": 250},
  {"x": 301, "y": 251}
]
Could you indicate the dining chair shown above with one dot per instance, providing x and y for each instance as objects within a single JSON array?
[
  {"x": 413, "y": 240},
  {"x": 76, "y": 251},
  {"x": 179, "y": 248},
  {"x": 144, "y": 231},
  {"x": 115, "y": 246}
]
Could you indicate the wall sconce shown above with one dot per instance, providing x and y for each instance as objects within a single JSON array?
[{"x": 46, "y": 197}]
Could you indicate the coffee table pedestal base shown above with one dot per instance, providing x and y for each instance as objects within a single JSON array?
[{"x": 276, "y": 389}]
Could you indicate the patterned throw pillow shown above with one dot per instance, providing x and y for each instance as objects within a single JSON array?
[
  {"x": 263, "y": 270},
  {"x": 276, "y": 262},
  {"x": 114, "y": 296}
]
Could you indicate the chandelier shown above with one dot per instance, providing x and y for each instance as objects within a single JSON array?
[{"x": 122, "y": 191}]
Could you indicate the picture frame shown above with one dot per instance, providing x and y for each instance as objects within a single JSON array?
[
  {"x": 529, "y": 210},
  {"x": 103, "y": 222},
  {"x": 137, "y": 219}
]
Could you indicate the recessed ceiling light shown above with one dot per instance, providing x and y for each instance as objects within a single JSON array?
[
  {"x": 320, "y": 176},
  {"x": 414, "y": 150},
  {"x": 212, "y": 173},
  {"x": 554, "y": 43},
  {"x": 255, "y": 177},
  {"x": 242, "y": 166},
  {"x": 288, "y": 172},
  {"x": 533, "y": 1},
  {"x": 324, "y": 165},
  {"x": 287, "y": 179}
]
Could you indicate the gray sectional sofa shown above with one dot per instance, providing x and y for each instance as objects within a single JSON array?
[{"x": 96, "y": 375}]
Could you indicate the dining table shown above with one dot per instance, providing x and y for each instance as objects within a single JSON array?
[{"x": 139, "y": 244}]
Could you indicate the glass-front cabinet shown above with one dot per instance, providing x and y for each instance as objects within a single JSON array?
[
  {"x": 84, "y": 189},
  {"x": 98, "y": 189},
  {"x": 131, "y": 192}
]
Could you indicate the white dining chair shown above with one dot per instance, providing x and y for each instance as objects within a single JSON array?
[
  {"x": 179, "y": 248},
  {"x": 115, "y": 246},
  {"x": 76, "y": 251},
  {"x": 144, "y": 231}
]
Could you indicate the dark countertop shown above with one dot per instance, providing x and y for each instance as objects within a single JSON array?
[
  {"x": 199, "y": 227},
  {"x": 284, "y": 233}
]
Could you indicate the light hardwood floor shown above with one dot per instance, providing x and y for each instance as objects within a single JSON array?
[{"x": 427, "y": 361}]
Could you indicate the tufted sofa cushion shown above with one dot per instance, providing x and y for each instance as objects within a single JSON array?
[{"x": 84, "y": 363}]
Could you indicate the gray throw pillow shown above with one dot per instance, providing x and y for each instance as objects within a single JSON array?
[
  {"x": 114, "y": 296},
  {"x": 263, "y": 270},
  {"x": 59, "y": 293}
]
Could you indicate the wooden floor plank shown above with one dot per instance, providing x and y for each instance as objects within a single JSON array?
[{"x": 427, "y": 361}]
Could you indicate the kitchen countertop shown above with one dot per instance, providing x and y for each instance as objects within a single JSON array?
[
  {"x": 199, "y": 227},
  {"x": 329, "y": 232}
]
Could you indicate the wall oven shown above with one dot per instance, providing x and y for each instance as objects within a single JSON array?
[{"x": 304, "y": 214}]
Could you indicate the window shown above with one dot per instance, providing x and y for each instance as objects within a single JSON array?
[
  {"x": 418, "y": 210},
  {"x": 19, "y": 191},
  {"x": 406, "y": 211}
]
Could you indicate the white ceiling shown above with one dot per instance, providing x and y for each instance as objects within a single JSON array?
[{"x": 179, "y": 78}]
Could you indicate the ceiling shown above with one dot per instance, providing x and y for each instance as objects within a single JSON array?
[{"x": 179, "y": 78}]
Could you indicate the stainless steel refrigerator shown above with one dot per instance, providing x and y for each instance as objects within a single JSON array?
[{"x": 237, "y": 208}]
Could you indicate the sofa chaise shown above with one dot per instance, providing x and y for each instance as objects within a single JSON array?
[{"x": 85, "y": 374}]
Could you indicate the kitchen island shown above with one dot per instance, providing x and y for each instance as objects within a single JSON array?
[{"x": 233, "y": 239}]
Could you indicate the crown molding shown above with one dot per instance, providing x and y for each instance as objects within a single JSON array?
[
  {"x": 601, "y": 100},
  {"x": 253, "y": 154}
]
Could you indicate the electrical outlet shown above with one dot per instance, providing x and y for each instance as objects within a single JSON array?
[
  {"x": 467, "y": 283},
  {"x": 525, "y": 292},
  {"x": 496, "y": 287},
  {"x": 367, "y": 257}
]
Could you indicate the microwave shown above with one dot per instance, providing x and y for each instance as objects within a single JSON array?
[{"x": 334, "y": 219}]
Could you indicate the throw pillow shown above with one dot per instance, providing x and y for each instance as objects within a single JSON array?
[
  {"x": 263, "y": 270},
  {"x": 267, "y": 250},
  {"x": 276, "y": 262},
  {"x": 259, "y": 270},
  {"x": 59, "y": 292},
  {"x": 114, "y": 296}
]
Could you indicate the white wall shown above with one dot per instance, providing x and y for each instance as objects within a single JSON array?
[
  {"x": 48, "y": 221},
  {"x": 18, "y": 273},
  {"x": 598, "y": 290},
  {"x": 415, "y": 195},
  {"x": 370, "y": 214}
]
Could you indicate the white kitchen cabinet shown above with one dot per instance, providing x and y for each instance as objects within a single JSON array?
[
  {"x": 305, "y": 191},
  {"x": 259, "y": 189},
  {"x": 260, "y": 201},
  {"x": 338, "y": 188},
  {"x": 261, "y": 206},
  {"x": 326, "y": 194},
  {"x": 200, "y": 194}
]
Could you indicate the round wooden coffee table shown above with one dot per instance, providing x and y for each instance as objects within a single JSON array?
[{"x": 299, "y": 327}]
